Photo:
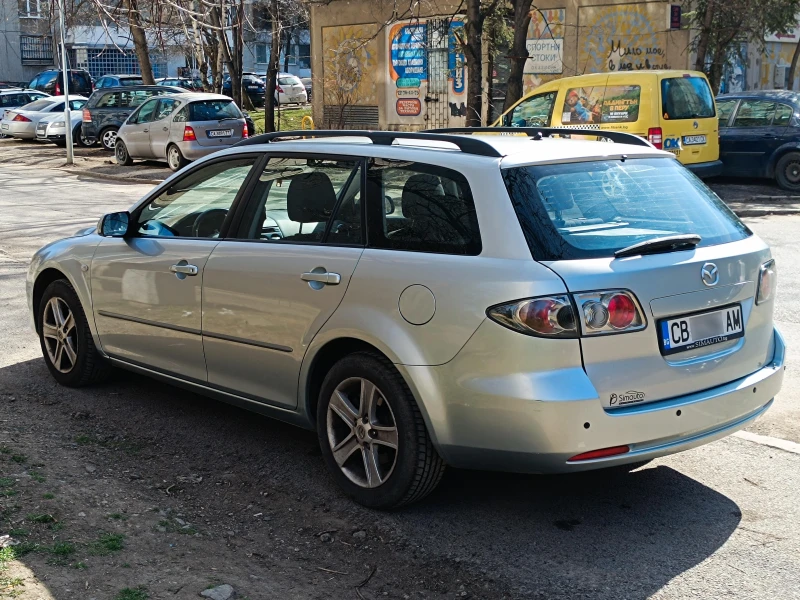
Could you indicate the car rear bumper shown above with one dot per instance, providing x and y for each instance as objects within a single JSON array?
[
  {"x": 474, "y": 427},
  {"x": 706, "y": 169},
  {"x": 193, "y": 150},
  {"x": 20, "y": 130}
]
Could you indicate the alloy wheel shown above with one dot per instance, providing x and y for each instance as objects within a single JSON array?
[
  {"x": 362, "y": 432},
  {"x": 110, "y": 139},
  {"x": 60, "y": 335},
  {"x": 122, "y": 153},
  {"x": 174, "y": 158}
]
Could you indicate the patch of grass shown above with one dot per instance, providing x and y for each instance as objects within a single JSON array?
[
  {"x": 62, "y": 549},
  {"x": 36, "y": 476},
  {"x": 48, "y": 496},
  {"x": 290, "y": 118},
  {"x": 80, "y": 565},
  {"x": 56, "y": 526},
  {"x": 84, "y": 439},
  {"x": 138, "y": 593},
  {"x": 5, "y": 449},
  {"x": 8, "y": 492},
  {"x": 43, "y": 518},
  {"x": 6, "y": 487},
  {"x": 126, "y": 565},
  {"x": 128, "y": 447},
  {"x": 19, "y": 458},
  {"x": 23, "y": 548},
  {"x": 117, "y": 517},
  {"x": 19, "y": 533},
  {"x": 106, "y": 544}
]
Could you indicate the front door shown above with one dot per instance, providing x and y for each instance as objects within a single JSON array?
[
  {"x": 137, "y": 130},
  {"x": 746, "y": 143},
  {"x": 146, "y": 287},
  {"x": 267, "y": 294}
]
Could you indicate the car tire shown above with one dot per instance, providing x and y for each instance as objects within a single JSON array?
[
  {"x": 80, "y": 139},
  {"x": 787, "y": 171},
  {"x": 66, "y": 340},
  {"x": 175, "y": 158},
  {"x": 61, "y": 144},
  {"x": 122, "y": 155},
  {"x": 395, "y": 476},
  {"x": 108, "y": 139}
]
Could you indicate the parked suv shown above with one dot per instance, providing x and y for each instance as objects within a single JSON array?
[
  {"x": 108, "y": 108},
  {"x": 52, "y": 82},
  {"x": 107, "y": 81},
  {"x": 510, "y": 302}
]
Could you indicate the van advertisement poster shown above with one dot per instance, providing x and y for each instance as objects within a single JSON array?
[
  {"x": 409, "y": 66},
  {"x": 601, "y": 104}
]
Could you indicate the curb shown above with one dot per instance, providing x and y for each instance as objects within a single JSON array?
[
  {"x": 108, "y": 177},
  {"x": 765, "y": 212}
]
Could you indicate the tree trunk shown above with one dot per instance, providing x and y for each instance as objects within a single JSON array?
[
  {"x": 272, "y": 69},
  {"x": 287, "y": 49},
  {"x": 705, "y": 33},
  {"x": 473, "y": 56},
  {"x": 793, "y": 66},
  {"x": 519, "y": 52},
  {"x": 227, "y": 56},
  {"x": 715, "y": 72},
  {"x": 139, "y": 41}
]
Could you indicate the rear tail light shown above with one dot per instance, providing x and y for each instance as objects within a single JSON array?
[
  {"x": 609, "y": 311},
  {"x": 22, "y": 119},
  {"x": 655, "y": 137},
  {"x": 602, "y": 312},
  {"x": 58, "y": 88},
  {"x": 279, "y": 88},
  {"x": 550, "y": 316},
  {"x": 602, "y": 453},
  {"x": 767, "y": 282},
  {"x": 188, "y": 134},
  {"x": 87, "y": 116},
  {"x": 245, "y": 131}
]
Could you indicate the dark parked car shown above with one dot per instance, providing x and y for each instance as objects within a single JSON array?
[
  {"x": 107, "y": 81},
  {"x": 253, "y": 87},
  {"x": 52, "y": 82},
  {"x": 108, "y": 108},
  {"x": 759, "y": 135},
  {"x": 193, "y": 85}
]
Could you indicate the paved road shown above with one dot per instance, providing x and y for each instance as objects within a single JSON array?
[{"x": 719, "y": 521}]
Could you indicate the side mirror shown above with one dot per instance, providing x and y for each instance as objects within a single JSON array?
[
  {"x": 114, "y": 224},
  {"x": 388, "y": 205}
]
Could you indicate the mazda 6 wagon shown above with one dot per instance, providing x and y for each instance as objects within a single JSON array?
[{"x": 520, "y": 302}]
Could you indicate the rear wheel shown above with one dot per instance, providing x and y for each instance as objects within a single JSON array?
[
  {"x": 66, "y": 340},
  {"x": 787, "y": 171},
  {"x": 122, "y": 155},
  {"x": 175, "y": 158},
  {"x": 80, "y": 139},
  {"x": 372, "y": 434},
  {"x": 108, "y": 139}
]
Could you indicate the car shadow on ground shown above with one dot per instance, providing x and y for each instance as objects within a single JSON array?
[{"x": 593, "y": 535}]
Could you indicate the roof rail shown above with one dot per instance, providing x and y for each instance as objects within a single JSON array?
[
  {"x": 538, "y": 133},
  {"x": 383, "y": 138}
]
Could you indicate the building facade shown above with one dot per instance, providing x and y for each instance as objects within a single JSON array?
[{"x": 26, "y": 39}]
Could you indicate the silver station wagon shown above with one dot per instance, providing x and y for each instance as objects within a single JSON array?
[
  {"x": 180, "y": 128},
  {"x": 517, "y": 302}
]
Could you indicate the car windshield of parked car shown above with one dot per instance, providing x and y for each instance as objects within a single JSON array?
[
  {"x": 214, "y": 110},
  {"x": 686, "y": 98},
  {"x": 592, "y": 209},
  {"x": 38, "y": 105}
]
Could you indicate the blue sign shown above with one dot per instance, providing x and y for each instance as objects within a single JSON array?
[
  {"x": 455, "y": 59},
  {"x": 408, "y": 52}
]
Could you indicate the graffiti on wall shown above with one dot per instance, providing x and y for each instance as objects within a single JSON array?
[
  {"x": 734, "y": 73},
  {"x": 622, "y": 37},
  {"x": 350, "y": 65},
  {"x": 545, "y": 43}
]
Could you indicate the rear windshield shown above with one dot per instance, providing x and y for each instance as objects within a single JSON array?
[
  {"x": 592, "y": 209},
  {"x": 214, "y": 110},
  {"x": 289, "y": 81},
  {"x": 686, "y": 98},
  {"x": 131, "y": 81}
]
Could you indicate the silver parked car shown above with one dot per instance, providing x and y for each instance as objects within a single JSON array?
[
  {"x": 517, "y": 303},
  {"x": 180, "y": 128},
  {"x": 21, "y": 122},
  {"x": 52, "y": 129}
]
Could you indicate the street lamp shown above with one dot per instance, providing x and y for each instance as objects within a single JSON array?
[{"x": 65, "y": 71}]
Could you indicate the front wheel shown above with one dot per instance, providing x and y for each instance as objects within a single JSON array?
[
  {"x": 66, "y": 340},
  {"x": 372, "y": 434},
  {"x": 122, "y": 155},
  {"x": 175, "y": 159},
  {"x": 787, "y": 171}
]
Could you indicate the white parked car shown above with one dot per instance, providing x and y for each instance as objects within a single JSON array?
[
  {"x": 289, "y": 89},
  {"x": 51, "y": 129},
  {"x": 509, "y": 302},
  {"x": 21, "y": 122}
]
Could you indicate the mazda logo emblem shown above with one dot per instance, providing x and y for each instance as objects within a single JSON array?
[{"x": 709, "y": 274}]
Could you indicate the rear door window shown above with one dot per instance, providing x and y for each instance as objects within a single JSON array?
[
  {"x": 592, "y": 209},
  {"x": 166, "y": 107},
  {"x": 754, "y": 113},
  {"x": 421, "y": 208},
  {"x": 783, "y": 115},
  {"x": 686, "y": 98},
  {"x": 112, "y": 100}
]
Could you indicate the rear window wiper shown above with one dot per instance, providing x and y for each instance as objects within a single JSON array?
[
  {"x": 230, "y": 119},
  {"x": 667, "y": 243}
]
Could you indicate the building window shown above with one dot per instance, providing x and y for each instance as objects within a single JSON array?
[
  {"x": 36, "y": 49},
  {"x": 261, "y": 53},
  {"x": 32, "y": 8},
  {"x": 304, "y": 56}
]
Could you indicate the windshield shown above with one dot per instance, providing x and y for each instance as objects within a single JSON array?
[
  {"x": 214, "y": 110},
  {"x": 686, "y": 98},
  {"x": 38, "y": 105},
  {"x": 592, "y": 209}
]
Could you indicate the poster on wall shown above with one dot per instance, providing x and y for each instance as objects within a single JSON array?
[
  {"x": 545, "y": 42},
  {"x": 415, "y": 69}
]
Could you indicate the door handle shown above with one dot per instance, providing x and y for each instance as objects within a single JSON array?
[
  {"x": 326, "y": 278},
  {"x": 184, "y": 269}
]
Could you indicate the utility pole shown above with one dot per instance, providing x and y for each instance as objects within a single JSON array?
[{"x": 65, "y": 71}]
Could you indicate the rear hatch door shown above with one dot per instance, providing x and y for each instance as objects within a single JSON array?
[
  {"x": 689, "y": 124},
  {"x": 216, "y": 123},
  {"x": 700, "y": 326}
]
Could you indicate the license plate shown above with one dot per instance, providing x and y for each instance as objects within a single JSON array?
[
  {"x": 699, "y": 330},
  {"x": 252, "y": 87},
  {"x": 220, "y": 133},
  {"x": 693, "y": 140}
]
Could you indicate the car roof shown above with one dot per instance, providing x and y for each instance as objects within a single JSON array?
[
  {"x": 123, "y": 75},
  {"x": 783, "y": 95},
  {"x": 197, "y": 96},
  {"x": 511, "y": 149},
  {"x": 138, "y": 88}
]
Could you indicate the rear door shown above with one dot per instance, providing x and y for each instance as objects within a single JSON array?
[
  {"x": 582, "y": 213},
  {"x": 688, "y": 119}
]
